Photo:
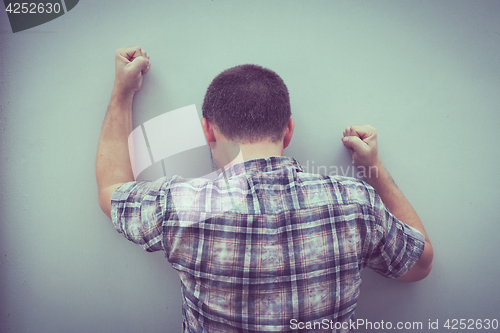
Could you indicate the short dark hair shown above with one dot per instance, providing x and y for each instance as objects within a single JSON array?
[{"x": 248, "y": 103}]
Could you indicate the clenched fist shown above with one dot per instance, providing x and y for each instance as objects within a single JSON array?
[
  {"x": 131, "y": 63},
  {"x": 362, "y": 142}
]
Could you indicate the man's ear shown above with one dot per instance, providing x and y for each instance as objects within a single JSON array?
[
  {"x": 208, "y": 130},
  {"x": 288, "y": 133}
]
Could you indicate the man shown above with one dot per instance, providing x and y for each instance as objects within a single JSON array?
[{"x": 264, "y": 246}]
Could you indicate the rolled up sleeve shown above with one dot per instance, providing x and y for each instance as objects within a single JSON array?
[
  {"x": 397, "y": 247},
  {"x": 137, "y": 212}
]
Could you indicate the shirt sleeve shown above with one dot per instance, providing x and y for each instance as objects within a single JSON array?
[
  {"x": 397, "y": 246},
  {"x": 137, "y": 212}
]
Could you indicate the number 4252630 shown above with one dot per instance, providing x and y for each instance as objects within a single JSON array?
[
  {"x": 33, "y": 8},
  {"x": 471, "y": 324}
]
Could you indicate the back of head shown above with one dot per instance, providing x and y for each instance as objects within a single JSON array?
[{"x": 248, "y": 104}]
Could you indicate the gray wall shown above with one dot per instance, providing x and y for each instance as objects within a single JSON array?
[{"x": 424, "y": 73}]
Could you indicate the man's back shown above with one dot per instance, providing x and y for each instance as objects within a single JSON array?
[
  {"x": 267, "y": 247},
  {"x": 264, "y": 247}
]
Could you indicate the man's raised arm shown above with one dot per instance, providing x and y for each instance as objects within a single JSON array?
[
  {"x": 112, "y": 161},
  {"x": 362, "y": 142}
]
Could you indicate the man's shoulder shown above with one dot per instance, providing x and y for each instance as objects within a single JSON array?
[
  {"x": 348, "y": 189},
  {"x": 340, "y": 181}
]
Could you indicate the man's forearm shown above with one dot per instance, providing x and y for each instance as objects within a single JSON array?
[
  {"x": 362, "y": 142},
  {"x": 113, "y": 161},
  {"x": 394, "y": 199}
]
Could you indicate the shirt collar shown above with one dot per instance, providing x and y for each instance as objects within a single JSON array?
[{"x": 260, "y": 165}]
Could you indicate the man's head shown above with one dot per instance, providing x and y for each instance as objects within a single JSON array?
[{"x": 248, "y": 105}]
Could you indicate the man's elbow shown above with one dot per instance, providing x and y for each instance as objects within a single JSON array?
[
  {"x": 105, "y": 195},
  {"x": 424, "y": 272},
  {"x": 415, "y": 274},
  {"x": 105, "y": 203},
  {"x": 422, "y": 267}
]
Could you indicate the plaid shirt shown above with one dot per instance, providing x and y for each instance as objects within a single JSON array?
[{"x": 266, "y": 247}]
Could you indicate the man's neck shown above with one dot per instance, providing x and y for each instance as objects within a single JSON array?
[{"x": 252, "y": 151}]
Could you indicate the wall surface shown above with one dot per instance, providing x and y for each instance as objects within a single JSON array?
[{"x": 426, "y": 74}]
